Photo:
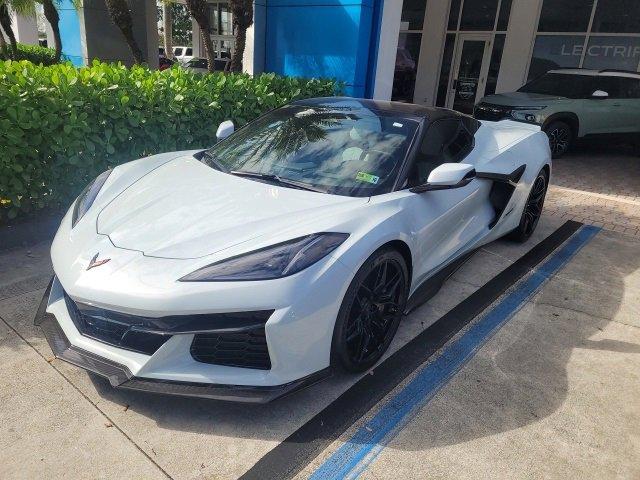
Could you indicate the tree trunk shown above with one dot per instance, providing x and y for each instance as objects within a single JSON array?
[
  {"x": 3, "y": 43},
  {"x": 167, "y": 25},
  {"x": 51, "y": 14},
  {"x": 198, "y": 9},
  {"x": 121, "y": 16},
  {"x": 5, "y": 22},
  {"x": 242, "y": 11}
]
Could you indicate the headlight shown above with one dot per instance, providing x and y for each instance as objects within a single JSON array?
[
  {"x": 87, "y": 197},
  {"x": 524, "y": 114},
  {"x": 276, "y": 261}
]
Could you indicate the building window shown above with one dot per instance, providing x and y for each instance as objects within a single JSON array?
[
  {"x": 488, "y": 17},
  {"x": 221, "y": 22},
  {"x": 478, "y": 15},
  {"x": 596, "y": 34},
  {"x": 404, "y": 79},
  {"x": 413, "y": 14},
  {"x": 612, "y": 52},
  {"x": 445, "y": 70},
  {"x": 565, "y": 15},
  {"x": 617, "y": 16}
]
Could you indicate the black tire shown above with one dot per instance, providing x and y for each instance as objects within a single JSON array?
[
  {"x": 560, "y": 138},
  {"x": 532, "y": 209},
  {"x": 370, "y": 312}
]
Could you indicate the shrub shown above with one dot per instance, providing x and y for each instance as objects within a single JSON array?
[
  {"x": 61, "y": 126},
  {"x": 32, "y": 53}
]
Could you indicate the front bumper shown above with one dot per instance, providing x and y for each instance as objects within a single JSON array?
[{"x": 120, "y": 376}]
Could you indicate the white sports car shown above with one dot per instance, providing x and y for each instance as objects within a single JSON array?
[{"x": 296, "y": 244}]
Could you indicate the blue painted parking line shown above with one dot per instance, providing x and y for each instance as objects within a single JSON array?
[{"x": 354, "y": 456}]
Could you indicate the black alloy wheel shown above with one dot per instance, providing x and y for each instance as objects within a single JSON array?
[
  {"x": 560, "y": 138},
  {"x": 371, "y": 311},
  {"x": 532, "y": 209}
]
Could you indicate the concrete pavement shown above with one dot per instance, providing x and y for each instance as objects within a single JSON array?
[{"x": 555, "y": 393}]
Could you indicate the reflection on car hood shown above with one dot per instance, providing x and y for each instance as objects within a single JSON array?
[
  {"x": 185, "y": 209},
  {"x": 519, "y": 99}
]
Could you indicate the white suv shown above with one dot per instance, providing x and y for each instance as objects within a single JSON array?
[{"x": 572, "y": 103}]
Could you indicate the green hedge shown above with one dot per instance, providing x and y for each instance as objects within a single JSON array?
[
  {"x": 33, "y": 53},
  {"x": 61, "y": 126}
]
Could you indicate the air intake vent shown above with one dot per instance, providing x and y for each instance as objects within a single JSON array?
[{"x": 244, "y": 349}]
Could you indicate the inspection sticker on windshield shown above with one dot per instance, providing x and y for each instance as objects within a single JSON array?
[{"x": 367, "y": 177}]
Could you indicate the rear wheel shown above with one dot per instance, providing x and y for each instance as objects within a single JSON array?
[
  {"x": 371, "y": 311},
  {"x": 532, "y": 209},
  {"x": 560, "y": 138}
]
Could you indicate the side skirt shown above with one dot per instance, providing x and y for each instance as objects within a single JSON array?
[{"x": 432, "y": 285}]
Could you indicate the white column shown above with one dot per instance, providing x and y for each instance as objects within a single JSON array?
[
  {"x": 518, "y": 45},
  {"x": 254, "y": 50},
  {"x": 387, "y": 49},
  {"x": 431, "y": 49},
  {"x": 25, "y": 28}
]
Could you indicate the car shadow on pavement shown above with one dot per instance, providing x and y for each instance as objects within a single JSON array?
[{"x": 521, "y": 376}]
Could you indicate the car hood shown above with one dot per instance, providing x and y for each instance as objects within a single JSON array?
[
  {"x": 185, "y": 209},
  {"x": 520, "y": 99}
]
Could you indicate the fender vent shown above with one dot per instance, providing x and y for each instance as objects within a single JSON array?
[{"x": 246, "y": 349}]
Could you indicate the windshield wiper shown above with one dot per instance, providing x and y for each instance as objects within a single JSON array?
[
  {"x": 212, "y": 161},
  {"x": 277, "y": 179}
]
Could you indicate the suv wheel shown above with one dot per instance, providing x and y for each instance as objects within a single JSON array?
[{"x": 560, "y": 138}]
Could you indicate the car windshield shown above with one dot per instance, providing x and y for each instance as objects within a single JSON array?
[
  {"x": 344, "y": 150},
  {"x": 561, "y": 85}
]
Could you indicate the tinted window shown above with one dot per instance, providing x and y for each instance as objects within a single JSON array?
[
  {"x": 404, "y": 78},
  {"x": 443, "y": 83},
  {"x": 413, "y": 13},
  {"x": 345, "y": 149},
  {"x": 189, "y": 52},
  {"x": 565, "y": 15},
  {"x": 454, "y": 13},
  {"x": 177, "y": 51},
  {"x": 445, "y": 141},
  {"x": 478, "y": 14},
  {"x": 557, "y": 51},
  {"x": 617, "y": 16},
  {"x": 630, "y": 87},
  {"x": 622, "y": 53},
  {"x": 611, "y": 85},
  {"x": 505, "y": 12},
  {"x": 620, "y": 87},
  {"x": 562, "y": 85}
]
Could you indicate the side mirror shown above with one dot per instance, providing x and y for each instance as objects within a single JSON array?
[
  {"x": 225, "y": 129},
  {"x": 599, "y": 95},
  {"x": 446, "y": 176}
]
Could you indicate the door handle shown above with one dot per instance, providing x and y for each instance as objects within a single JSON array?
[{"x": 616, "y": 105}]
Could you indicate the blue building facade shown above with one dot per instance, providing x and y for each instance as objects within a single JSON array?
[{"x": 324, "y": 38}]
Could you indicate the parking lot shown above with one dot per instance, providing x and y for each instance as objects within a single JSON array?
[{"x": 524, "y": 365}]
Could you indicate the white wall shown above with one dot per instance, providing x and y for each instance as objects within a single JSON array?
[
  {"x": 25, "y": 28},
  {"x": 387, "y": 50}
]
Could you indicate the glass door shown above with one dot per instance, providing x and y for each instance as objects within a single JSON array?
[{"x": 469, "y": 77}]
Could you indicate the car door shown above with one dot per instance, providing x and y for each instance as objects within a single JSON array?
[
  {"x": 603, "y": 114},
  {"x": 445, "y": 223},
  {"x": 629, "y": 110}
]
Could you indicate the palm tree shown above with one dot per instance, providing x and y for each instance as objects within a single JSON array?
[
  {"x": 121, "y": 17},
  {"x": 51, "y": 14},
  {"x": 167, "y": 26},
  {"x": 199, "y": 10},
  {"x": 242, "y": 11}
]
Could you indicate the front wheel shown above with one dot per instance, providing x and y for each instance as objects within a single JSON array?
[
  {"x": 560, "y": 138},
  {"x": 371, "y": 311},
  {"x": 532, "y": 209}
]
